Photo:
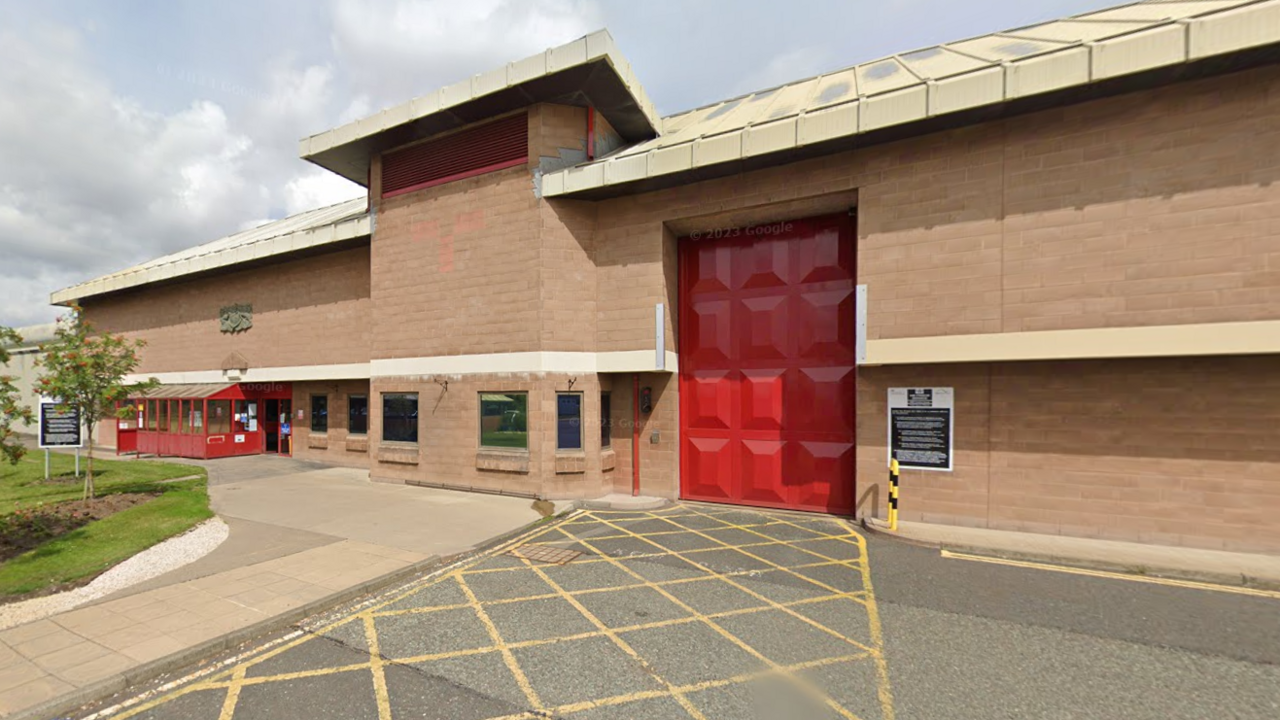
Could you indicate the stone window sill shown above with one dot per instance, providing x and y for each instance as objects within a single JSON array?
[
  {"x": 318, "y": 440},
  {"x": 608, "y": 459},
  {"x": 500, "y": 460},
  {"x": 398, "y": 453},
  {"x": 571, "y": 462},
  {"x": 357, "y": 443}
]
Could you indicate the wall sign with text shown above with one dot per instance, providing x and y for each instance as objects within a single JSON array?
[
  {"x": 59, "y": 425},
  {"x": 921, "y": 427}
]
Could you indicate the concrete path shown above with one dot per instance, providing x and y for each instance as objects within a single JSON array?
[
  {"x": 714, "y": 612},
  {"x": 1215, "y": 565},
  {"x": 302, "y": 537}
]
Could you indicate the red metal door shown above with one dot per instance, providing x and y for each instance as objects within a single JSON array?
[
  {"x": 767, "y": 365},
  {"x": 127, "y": 427}
]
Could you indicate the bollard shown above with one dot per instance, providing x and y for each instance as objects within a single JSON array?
[{"x": 893, "y": 495}]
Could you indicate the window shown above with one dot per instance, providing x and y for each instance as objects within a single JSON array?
[
  {"x": 400, "y": 417},
  {"x": 219, "y": 417},
  {"x": 184, "y": 419},
  {"x": 150, "y": 416},
  {"x": 358, "y": 414},
  {"x": 246, "y": 417},
  {"x": 568, "y": 421},
  {"x": 606, "y": 420},
  {"x": 504, "y": 420},
  {"x": 319, "y": 413},
  {"x": 164, "y": 416}
]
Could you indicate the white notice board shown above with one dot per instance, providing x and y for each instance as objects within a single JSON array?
[{"x": 922, "y": 428}]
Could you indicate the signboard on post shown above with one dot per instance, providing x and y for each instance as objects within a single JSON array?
[
  {"x": 921, "y": 427},
  {"x": 59, "y": 426}
]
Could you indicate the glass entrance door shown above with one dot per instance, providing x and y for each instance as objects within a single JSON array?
[
  {"x": 271, "y": 425},
  {"x": 286, "y": 427}
]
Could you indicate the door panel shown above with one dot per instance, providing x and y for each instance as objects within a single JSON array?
[{"x": 767, "y": 367}]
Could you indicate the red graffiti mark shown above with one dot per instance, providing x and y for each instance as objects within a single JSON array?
[
  {"x": 424, "y": 230},
  {"x": 446, "y": 253},
  {"x": 469, "y": 222}
]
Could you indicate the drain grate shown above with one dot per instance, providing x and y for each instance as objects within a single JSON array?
[{"x": 544, "y": 553}]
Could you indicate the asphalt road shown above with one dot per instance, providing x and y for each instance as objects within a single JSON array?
[
  {"x": 975, "y": 640},
  {"x": 714, "y": 612}
]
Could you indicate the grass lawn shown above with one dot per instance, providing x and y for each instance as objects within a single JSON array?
[
  {"x": 507, "y": 439},
  {"x": 93, "y": 548}
]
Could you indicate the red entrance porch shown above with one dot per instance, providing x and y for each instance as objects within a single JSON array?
[{"x": 213, "y": 420}]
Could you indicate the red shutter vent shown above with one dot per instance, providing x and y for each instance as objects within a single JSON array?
[{"x": 494, "y": 146}]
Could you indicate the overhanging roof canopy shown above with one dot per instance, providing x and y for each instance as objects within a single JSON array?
[
  {"x": 188, "y": 390},
  {"x": 312, "y": 229},
  {"x": 588, "y": 72},
  {"x": 934, "y": 82}
]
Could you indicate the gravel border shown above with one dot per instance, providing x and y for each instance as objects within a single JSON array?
[{"x": 152, "y": 562}]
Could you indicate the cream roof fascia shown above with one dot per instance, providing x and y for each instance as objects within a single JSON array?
[
  {"x": 598, "y": 45},
  {"x": 333, "y": 224},
  {"x": 932, "y": 82}
]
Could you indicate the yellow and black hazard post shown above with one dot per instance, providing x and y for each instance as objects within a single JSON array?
[{"x": 893, "y": 494}]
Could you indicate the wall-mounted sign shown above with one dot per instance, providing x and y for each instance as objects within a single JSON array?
[
  {"x": 59, "y": 426},
  {"x": 239, "y": 438},
  {"x": 921, "y": 425},
  {"x": 236, "y": 318}
]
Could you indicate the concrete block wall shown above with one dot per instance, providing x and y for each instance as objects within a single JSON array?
[
  {"x": 1178, "y": 451},
  {"x": 309, "y": 311},
  {"x": 456, "y": 269},
  {"x": 337, "y": 445},
  {"x": 1159, "y": 207},
  {"x": 448, "y": 451}
]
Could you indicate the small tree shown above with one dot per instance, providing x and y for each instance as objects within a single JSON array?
[
  {"x": 12, "y": 412},
  {"x": 85, "y": 370}
]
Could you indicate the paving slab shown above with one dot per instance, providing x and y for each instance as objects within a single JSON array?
[{"x": 274, "y": 566}]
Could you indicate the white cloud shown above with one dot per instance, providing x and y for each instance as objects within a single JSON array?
[
  {"x": 318, "y": 189},
  {"x": 92, "y": 182},
  {"x": 402, "y": 49}
]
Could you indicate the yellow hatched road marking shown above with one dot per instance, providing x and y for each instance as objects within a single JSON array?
[
  {"x": 375, "y": 667},
  {"x": 807, "y": 687},
  {"x": 525, "y": 686},
  {"x": 884, "y": 690},
  {"x": 234, "y": 679},
  {"x": 774, "y": 565},
  {"x": 1190, "y": 584},
  {"x": 233, "y": 694},
  {"x": 622, "y": 644}
]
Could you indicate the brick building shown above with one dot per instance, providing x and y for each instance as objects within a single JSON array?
[{"x": 1073, "y": 229}]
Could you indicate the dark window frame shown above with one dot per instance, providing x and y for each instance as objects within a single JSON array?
[
  {"x": 352, "y": 416},
  {"x": 512, "y": 423},
  {"x": 567, "y": 422},
  {"x": 320, "y": 419},
  {"x": 606, "y": 420},
  {"x": 405, "y": 426}
]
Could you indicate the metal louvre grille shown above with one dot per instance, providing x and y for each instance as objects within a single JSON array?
[{"x": 500, "y": 144}]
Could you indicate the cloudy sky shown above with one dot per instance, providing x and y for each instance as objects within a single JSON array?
[{"x": 130, "y": 129}]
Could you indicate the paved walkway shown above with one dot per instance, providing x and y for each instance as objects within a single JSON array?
[
  {"x": 291, "y": 550},
  {"x": 685, "y": 612},
  {"x": 1213, "y": 565}
]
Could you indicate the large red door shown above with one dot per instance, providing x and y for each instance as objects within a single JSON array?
[{"x": 767, "y": 365}]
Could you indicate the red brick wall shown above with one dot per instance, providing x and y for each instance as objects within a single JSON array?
[
  {"x": 456, "y": 269},
  {"x": 1153, "y": 208},
  {"x": 336, "y": 446},
  {"x": 313, "y": 311},
  {"x": 448, "y": 449},
  {"x": 1176, "y": 451}
]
